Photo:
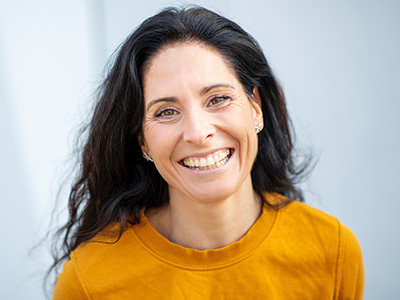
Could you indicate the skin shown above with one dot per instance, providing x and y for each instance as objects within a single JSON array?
[{"x": 195, "y": 107}]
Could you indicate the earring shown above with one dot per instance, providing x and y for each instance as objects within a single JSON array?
[
  {"x": 147, "y": 157},
  {"x": 259, "y": 127}
]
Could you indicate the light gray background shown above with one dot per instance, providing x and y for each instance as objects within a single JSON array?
[{"x": 338, "y": 62}]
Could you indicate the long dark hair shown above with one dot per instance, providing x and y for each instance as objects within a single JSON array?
[{"x": 115, "y": 183}]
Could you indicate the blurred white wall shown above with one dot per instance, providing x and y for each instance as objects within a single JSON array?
[
  {"x": 45, "y": 77},
  {"x": 337, "y": 61}
]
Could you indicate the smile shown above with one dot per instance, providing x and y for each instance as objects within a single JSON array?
[{"x": 212, "y": 161}]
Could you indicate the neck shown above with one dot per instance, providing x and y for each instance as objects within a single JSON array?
[{"x": 208, "y": 225}]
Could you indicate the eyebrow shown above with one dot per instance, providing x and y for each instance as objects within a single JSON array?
[
  {"x": 203, "y": 91},
  {"x": 210, "y": 87},
  {"x": 167, "y": 99}
]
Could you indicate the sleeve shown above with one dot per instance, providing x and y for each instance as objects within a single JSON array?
[
  {"x": 350, "y": 270},
  {"x": 68, "y": 286}
]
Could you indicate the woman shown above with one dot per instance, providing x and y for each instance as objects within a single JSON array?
[{"x": 187, "y": 179}]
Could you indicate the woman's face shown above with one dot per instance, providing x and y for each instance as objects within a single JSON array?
[{"x": 199, "y": 125}]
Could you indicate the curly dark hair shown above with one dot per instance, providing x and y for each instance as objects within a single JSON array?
[{"x": 115, "y": 183}]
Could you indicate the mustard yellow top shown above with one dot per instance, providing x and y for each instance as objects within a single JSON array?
[{"x": 297, "y": 252}]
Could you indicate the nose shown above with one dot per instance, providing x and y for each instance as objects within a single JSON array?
[{"x": 198, "y": 127}]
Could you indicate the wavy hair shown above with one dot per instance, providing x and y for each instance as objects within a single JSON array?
[{"x": 115, "y": 183}]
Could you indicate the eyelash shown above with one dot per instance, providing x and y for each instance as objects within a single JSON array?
[
  {"x": 160, "y": 113},
  {"x": 217, "y": 97}
]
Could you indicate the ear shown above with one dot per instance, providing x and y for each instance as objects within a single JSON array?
[
  {"x": 256, "y": 103},
  {"x": 142, "y": 143}
]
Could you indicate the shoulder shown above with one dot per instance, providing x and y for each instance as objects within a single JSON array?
[
  {"x": 302, "y": 217},
  {"x": 350, "y": 270},
  {"x": 305, "y": 218},
  {"x": 106, "y": 244},
  {"x": 96, "y": 264},
  {"x": 299, "y": 213},
  {"x": 318, "y": 238},
  {"x": 311, "y": 223}
]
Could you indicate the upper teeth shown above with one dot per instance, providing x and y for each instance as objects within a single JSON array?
[{"x": 216, "y": 159}]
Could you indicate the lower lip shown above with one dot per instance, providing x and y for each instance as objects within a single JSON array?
[{"x": 213, "y": 170}]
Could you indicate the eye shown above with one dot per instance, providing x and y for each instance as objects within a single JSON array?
[
  {"x": 218, "y": 100},
  {"x": 166, "y": 113}
]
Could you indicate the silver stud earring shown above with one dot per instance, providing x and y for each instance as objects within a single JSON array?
[
  {"x": 147, "y": 157},
  {"x": 259, "y": 127}
]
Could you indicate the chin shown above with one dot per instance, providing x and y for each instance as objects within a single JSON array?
[{"x": 211, "y": 194}]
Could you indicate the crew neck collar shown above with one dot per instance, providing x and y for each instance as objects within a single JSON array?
[{"x": 189, "y": 258}]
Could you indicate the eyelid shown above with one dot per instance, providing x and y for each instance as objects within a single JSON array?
[
  {"x": 159, "y": 111},
  {"x": 217, "y": 96}
]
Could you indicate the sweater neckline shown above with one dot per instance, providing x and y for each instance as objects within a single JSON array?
[{"x": 189, "y": 258}]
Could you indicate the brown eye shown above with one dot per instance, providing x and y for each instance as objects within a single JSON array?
[
  {"x": 168, "y": 112},
  {"x": 218, "y": 100}
]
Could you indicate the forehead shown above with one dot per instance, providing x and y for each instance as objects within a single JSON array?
[{"x": 184, "y": 65}]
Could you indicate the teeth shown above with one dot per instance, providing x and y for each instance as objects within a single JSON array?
[
  {"x": 203, "y": 162},
  {"x": 214, "y": 160}
]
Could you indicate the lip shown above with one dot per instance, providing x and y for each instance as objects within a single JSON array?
[{"x": 203, "y": 155}]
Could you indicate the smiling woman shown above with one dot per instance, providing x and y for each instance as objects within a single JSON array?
[
  {"x": 210, "y": 116},
  {"x": 187, "y": 183}
]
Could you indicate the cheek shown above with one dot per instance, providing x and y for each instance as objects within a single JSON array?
[
  {"x": 160, "y": 140},
  {"x": 241, "y": 126},
  {"x": 240, "y": 120}
]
